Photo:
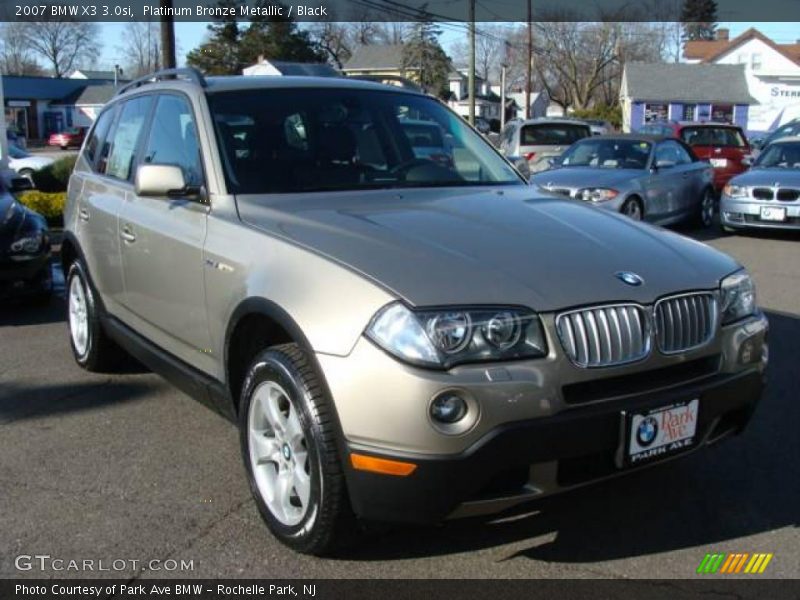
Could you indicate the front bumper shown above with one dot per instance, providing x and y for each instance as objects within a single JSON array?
[
  {"x": 542, "y": 425},
  {"x": 28, "y": 276},
  {"x": 746, "y": 212}
]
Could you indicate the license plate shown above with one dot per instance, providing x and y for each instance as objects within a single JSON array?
[
  {"x": 719, "y": 162},
  {"x": 773, "y": 213},
  {"x": 660, "y": 432}
]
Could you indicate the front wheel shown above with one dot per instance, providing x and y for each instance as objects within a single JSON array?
[
  {"x": 705, "y": 211},
  {"x": 632, "y": 207},
  {"x": 288, "y": 442}
]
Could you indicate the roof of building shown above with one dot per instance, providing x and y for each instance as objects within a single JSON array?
[
  {"x": 670, "y": 82},
  {"x": 90, "y": 74},
  {"x": 17, "y": 87},
  {"x": 710, "y": 50},
  {"x": 311, "y": 69},
  {"x": 375, "y": 57},
  {"x": 91, "y": 94}
]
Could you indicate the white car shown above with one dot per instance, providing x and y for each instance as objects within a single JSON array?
[{"x": 25, "y": 163}]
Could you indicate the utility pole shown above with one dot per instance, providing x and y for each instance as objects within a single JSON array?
[
  {"x": 529, "y": 65},
  {"x": 503, "y": 96},
  {"x": 471, "y": 75},
  {"x": 167, "y": 35}
]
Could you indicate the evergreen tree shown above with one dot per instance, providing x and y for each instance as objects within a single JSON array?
[
  {"x": 423, "y": 54},
  {"x": 220, "y": 53},
  {"x": 699, "y": 20},
  {"x": 278, "y": 38}
]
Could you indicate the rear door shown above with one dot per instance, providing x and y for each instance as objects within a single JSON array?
[{"x": 162, "y": 239}]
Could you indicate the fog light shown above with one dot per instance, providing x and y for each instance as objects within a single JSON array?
[
  {"x": 448, "y": 408},
  {"x": 749, "y": 353},
  {"x": 734, "y": 216}
]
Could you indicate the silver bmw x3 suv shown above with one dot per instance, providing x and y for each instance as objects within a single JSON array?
[{"x": 398, "y": 338}]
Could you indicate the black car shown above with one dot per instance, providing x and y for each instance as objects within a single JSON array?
[{"x": 24, "y": 249}]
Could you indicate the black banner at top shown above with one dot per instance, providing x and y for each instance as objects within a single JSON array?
[{"x": 390, "y": 10}]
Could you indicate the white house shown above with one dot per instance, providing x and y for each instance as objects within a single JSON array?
[
  {"x": 772, "y": 71},
  {"x": 265, "y": 66},
  {"x": 487, "y": 102}
]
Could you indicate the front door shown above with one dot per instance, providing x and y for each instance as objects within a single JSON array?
[{"x": 162, "y": 241}]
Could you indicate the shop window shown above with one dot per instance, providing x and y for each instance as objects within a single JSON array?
[
  {"x": 656, "y": 112},
  {"x": 689, "y": 111},
  {"x": 722, "y": 113}
]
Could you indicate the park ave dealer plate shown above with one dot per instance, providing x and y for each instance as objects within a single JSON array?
[
  {"x": 773, "y": 213},
  {"x": 661, "y": 431}
]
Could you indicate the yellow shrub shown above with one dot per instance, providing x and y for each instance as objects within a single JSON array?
[{"x": 49, "y": 205}]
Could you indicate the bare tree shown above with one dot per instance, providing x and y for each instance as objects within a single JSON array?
[
  {"x": 335, "y": 40},
  {"x": 16, "y": 57},
  {"x": 63, "y": 45},
  {"x": 489, "y": 50},
  {"x": 141, "y": 48}
]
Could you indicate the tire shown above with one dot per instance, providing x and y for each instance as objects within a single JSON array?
[
  {"x": 632, "y": 208},
  {"x": 284, "y": 407},
  {"x": 705, "y": 211},
  {"x": 91, "y": 347}
]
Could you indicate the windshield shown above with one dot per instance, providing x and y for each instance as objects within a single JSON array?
[
  {"x": 785, "y": 155},
  {"x": 556, "y": 134},
  {"x": 17, "y": 152},
  {"x": 608, "y": 154},
  {"x": 713, "y": 136},
  {"x": 306, "y": 139}
]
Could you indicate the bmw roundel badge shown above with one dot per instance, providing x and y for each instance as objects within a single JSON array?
[
  {"x": 629, "y": 278},
  {"x": 647, "y": 431}
]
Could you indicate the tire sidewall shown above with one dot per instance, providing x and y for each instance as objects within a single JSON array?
[
  {"x": 273, "y": 365},
  {"x": 627, "y": 203},
  {"x": 76, "y": 270}
]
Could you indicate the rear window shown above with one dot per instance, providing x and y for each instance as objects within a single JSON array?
[
  {"x": 713, "y": 136},
  {"x": 557, "y": 134},
  {"x": 654, "y": 129}
]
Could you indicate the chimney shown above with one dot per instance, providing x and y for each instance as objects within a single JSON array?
[
  {"x": 723, "y": 34},
  {"x": 260, "y": 59}
]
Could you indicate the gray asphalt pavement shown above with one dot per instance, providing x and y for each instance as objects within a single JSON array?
[{"x": 126, "y": 468}]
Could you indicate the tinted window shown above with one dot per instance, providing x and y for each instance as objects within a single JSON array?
[
  {"x": 98, "y": 135},
  {"x": 557, "y": 134},
  {"x": 608, "y": 154},
  {"x": 672, "y": 153},
  {"x": 287, "y": 140},
  {"x": 173, "y": 138},
  {"x": 713, "y": 136},
  {"x": 126, "y": 137},
  {"x": 422, "y": 136},
  {"x": 788, "y": 130},
  {"x": 785, "y": 155}
]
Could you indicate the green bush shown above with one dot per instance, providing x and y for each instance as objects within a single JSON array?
[
  {"x": 612, "y": 114},
  {"x": 55, "y": 177},
  {"x": 48, "y": 204}
]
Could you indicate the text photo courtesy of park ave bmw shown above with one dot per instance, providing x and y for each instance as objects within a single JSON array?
[{"x": 480, "y": 296}]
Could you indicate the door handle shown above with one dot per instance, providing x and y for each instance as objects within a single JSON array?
[
  {"x": 127, "y": 235},
  {"x": 83, "y": 214}
]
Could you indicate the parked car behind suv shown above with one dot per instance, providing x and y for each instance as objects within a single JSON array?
[
  {"x": 71, "y": 138},
  {"x": 397, "y": 338},
  {"x": 539, "y": 140},
  {"x": 725, "y": 146}
]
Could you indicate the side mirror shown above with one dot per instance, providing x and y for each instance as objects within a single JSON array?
[
  {"x": 160, "y": 180},
  {"x": 747, "y": 161},
  {"x": 663, "y": 164},
  {"x": 757, "y": 143},
  {"x": 553, "y": 162}
]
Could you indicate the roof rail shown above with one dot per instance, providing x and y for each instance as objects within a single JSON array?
[{"x": 188, "y": 73}]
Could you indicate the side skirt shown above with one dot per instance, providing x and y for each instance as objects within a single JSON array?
[{"x": 195, "y": 383}]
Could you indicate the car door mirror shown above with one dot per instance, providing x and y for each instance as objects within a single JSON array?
[
  {"x": 160, "y": 180},
  {"x": 664, "y": 164},
  {"x": 747, "y": 161},
  {"x": 757, "y": 143}
]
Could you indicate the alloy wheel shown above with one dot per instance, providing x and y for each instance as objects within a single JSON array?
[{"x": 78, "y": 317}]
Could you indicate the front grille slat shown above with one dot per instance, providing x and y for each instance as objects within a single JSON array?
[
  {"x": 605, "y": 335},
  {"x": 685, "y": 322}
]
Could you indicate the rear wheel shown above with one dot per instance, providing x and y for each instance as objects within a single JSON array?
[
  {"x": 91, "y": 347},
  {"x": 288, "y": 440},
  {"x": 632, "y": 207}
]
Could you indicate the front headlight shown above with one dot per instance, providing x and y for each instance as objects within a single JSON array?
[
  {"x": 28, "y": 244},
  {"x": 738, "y": 296},
  {"x": 447, "y": 337},
  {"x": 735, "y": 191},
  {"x": 596, "y": 194}
]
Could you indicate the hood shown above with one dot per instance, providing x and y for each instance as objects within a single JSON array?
[
  {"x": 769, "y": 177},
  {"x": 578, "y": 177},
  {"x": 12, "y": 216},
  {"x": 489, "y": 246},
  {"x": 31, "y": 162}
]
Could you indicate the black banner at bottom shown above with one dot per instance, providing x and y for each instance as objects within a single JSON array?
[{"x": 400, "y": 589}]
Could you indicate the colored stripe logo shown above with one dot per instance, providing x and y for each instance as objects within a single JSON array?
[{"x": 735, "y": 563}]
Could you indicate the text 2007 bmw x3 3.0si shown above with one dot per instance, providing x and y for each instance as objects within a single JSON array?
[{"x": 403, "y": 328}]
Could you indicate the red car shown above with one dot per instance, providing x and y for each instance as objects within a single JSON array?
[
  {"x": 71, "y": 138},
  {"x": 725, "y": 146}
]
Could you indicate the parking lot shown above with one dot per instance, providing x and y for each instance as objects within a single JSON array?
[{"x": 127, "y": 468}]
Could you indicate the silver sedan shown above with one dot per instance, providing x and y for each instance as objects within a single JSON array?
[
  {"x": 768, "y": 195},
  {"x": 650, "y": 178}
]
